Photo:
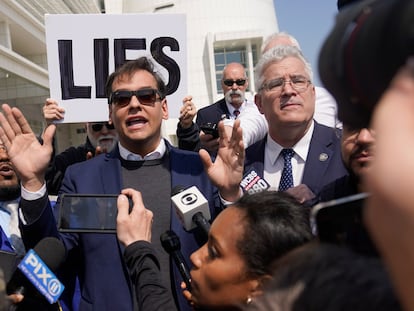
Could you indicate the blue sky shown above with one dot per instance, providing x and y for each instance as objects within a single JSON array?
[{"x": 309, "y": 21}]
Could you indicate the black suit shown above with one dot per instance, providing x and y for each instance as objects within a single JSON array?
[
  {"x": 213, "y": 113},
  {"x": 188, "y": 139}
]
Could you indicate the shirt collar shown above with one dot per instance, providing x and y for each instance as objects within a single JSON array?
[
  {"x": 301, "y": 148},
  {"x": 158, "y": 153},
  {"x": 231, "y": 108}
]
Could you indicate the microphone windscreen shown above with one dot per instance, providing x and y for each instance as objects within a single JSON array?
[
  {"x": 52, "y": 251},
  {"x": 170, "y": 241}
]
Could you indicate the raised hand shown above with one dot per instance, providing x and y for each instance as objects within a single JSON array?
[
  {"x": 29, "y": 158},
  {"x": 187, "y": 112},
  {"x": 226, "y": 172}
]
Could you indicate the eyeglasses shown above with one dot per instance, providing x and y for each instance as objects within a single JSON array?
[
  {"x": 298, "y": 83},
  {"x": 349, "y": 131},
  {"x": 96, "y": 127},
  {"x": 146, "y": 97},
  {"x": 239, "y": 82}
]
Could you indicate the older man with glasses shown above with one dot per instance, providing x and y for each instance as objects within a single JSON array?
[
  {"x": 101, "y": 137},
  {"x": 298, "y": 155}
]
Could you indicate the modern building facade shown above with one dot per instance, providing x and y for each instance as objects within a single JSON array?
[{"x": 218, "y": 32}]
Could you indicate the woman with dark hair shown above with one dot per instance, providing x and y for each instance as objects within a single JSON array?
[{"x": 230, "y": 269}]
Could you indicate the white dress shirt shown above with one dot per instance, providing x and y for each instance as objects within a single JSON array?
[
  {"x": 158, "y": 153},
  {"x": 273, "y": 160},
  {"x": 9, "y": 222},
  {"x": 326, "y": 110},
  {"x": 252, "y": 122}
]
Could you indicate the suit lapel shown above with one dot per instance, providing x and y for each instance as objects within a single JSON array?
[
  {"x": 222, "y": 109},
  {"x": 255, "y": 157},
  {"x": 112, "y": 168},
  {"x": 319, "y": 155}
]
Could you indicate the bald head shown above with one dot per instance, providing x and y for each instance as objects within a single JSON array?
[{"x": 234, "y": 84}]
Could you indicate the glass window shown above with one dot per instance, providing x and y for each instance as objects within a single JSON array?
[{"x": 226, "y": 55}]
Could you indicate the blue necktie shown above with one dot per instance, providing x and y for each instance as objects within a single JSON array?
[
  {"x": 236, "y": 113},
  {"x": 286, "y": 181}
]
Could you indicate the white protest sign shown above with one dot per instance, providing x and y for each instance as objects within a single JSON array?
[{"x": 83, "y": 49}]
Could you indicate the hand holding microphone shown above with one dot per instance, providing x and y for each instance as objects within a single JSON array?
[
  {"x": 34, "y": 279},
  {"x": 171, "y": 244}
]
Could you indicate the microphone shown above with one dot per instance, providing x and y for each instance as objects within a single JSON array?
[
  {"x": 252, "y": 183},
  {"x": 192, "y": 208},
  {"x": 171, "y": 244},
  {"x": 34, "y": 278}
]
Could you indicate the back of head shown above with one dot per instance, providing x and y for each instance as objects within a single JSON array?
[
  {"x": 275, "y": 55},
  {"x": 279, "y": 38},
  {"x": 330, "y": 278},
  {"x": 342, "y": 3},
  {"x": 370, "y": 41},
  {"x": 275, "y": 224}
]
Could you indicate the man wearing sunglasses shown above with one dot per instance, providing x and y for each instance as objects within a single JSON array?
[
  {"x": 141, "y": 160},
  {"x": 233, "y": 106},
  {"x": 101, "y": 137}
]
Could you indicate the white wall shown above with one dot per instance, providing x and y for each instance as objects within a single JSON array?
[{"x": 209, "y": 21}]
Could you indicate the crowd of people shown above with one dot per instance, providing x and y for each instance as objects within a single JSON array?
[{"x": 260, "y": 252}]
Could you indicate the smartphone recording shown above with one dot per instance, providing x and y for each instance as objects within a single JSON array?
[
  {"x": 341, "y": 222},
  {"x": 88, "y": 213}
]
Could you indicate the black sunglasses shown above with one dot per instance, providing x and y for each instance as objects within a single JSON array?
[
  {"x": 146, "y": 97},
  {"x": 96, "y": 127},
  {"x": 239, "y": 82}
]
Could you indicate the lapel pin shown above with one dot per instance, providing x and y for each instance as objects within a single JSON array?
[{"x": 323, "y": 157}]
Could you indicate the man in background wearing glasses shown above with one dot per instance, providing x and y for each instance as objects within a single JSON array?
[
  {"x": 234, "y": 84},
  {"x": 101, "y": 137},
  {"x": 298, "y": 155}
]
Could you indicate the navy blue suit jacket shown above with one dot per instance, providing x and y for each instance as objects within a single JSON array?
[
  {"x": 317, "y": 173},
  {"x": 104, "y": 277},
  {"x": 212, "y": 113}
]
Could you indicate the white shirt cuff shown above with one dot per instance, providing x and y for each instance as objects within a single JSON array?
[{"x": 31, "y": 196}]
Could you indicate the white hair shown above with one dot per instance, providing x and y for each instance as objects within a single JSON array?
[
  {"x": 275, "y": 36},
  {"x": 275, "y": 55}
]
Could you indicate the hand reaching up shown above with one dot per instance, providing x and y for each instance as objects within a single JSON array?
[
  {"x": 29, "y": 158},
  {"x": 226, "y": 172}
]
